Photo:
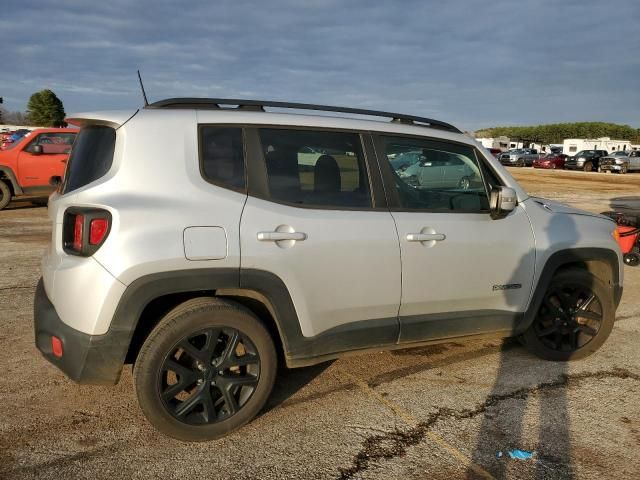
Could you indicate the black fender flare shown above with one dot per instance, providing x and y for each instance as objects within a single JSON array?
[
  {"x": 573, "y": 256},
  {"x": 17, "y": 190}
]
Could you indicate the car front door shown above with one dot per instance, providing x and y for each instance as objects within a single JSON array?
[
  {"x": 323, "y": 232},
  {"x": 462, "y": 272},
  {"x": 36, "y": 169},
  {"x": 634, "y": 160}
]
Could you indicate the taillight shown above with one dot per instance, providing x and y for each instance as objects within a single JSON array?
[
  {"x": 84, "y": 230},
  {"x": 78, "y": 230},
  {"x": 98, "y": 230}
]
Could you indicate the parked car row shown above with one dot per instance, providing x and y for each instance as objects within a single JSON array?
[
  {"x": 587, "y": 160},
  {"x": 11, "y": 137}
]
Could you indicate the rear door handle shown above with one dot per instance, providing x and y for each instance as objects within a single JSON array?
[
  {"x": 425, "y": 237},
  {"x": 278, "y": 236}
]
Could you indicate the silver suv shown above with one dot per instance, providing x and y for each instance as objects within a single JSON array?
[{"x": 202, "y": 239}]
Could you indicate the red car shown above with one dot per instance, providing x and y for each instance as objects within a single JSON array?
[
  {"x": 495, "y": 151},
  {"x": 28, "y": 167},
  {"x": 551, "y": 160}
]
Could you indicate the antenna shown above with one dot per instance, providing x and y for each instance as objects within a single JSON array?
[{"x": 144, "y": 94}]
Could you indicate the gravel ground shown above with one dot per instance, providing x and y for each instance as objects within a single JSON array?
[{"x": 442, "y": 411}]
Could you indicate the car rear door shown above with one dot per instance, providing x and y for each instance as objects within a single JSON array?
[
  {"x": 462, "y": 272},
  {"x": 323, "y": 231}
]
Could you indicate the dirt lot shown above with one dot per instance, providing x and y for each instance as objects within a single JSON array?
[{"x": 438, "y": 412}]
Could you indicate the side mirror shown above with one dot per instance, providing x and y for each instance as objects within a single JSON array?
[
  {"x": 36, "y": 150},
  {"x": 502, "y": 201}
]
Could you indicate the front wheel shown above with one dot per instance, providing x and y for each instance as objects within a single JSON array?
[
  {"x": 574, "y": 320},
  {"x": 464, "y": 183},
  {"x": 205, "y": 370},
  {"x": 588, "y": 167},
  {"x": 5, "y": 194}
]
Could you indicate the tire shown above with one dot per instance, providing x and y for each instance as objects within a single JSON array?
[
  {"x": 588, "y": 167},
  {"x": 553, "y": 166},
  {"x": 623, "y": 170},
  {"x": 191, "y": 348},
  {"x": 555, "y": 333},
  {"x": 631, "y": 259},
  {"x": 5, "y": 194},
  {"x": 520, "y": 162}
]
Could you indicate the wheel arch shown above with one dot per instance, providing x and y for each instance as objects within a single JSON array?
[
  {"x": 6, "y": 173},
  {"x": 148, "y": 299},
  {"x": 602, "y": 263}
]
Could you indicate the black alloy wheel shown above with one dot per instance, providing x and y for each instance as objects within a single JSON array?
[
  {"x": 205, "y": 370},
  {"x": 575, "y": 317},
  {"x": 209, "y": 375},
  {"x": 569, "y": 318}
]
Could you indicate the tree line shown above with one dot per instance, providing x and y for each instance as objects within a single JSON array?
[
  {"x": 557, "y": 132},
  {"x": 44, "y": 109}
]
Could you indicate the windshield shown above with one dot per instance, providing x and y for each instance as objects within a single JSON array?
[
  {"x": 619, "y": 154},
  {"x": 585, "y": 153}
]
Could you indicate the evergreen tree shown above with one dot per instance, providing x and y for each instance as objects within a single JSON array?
[{"x": 45, "y": 109}]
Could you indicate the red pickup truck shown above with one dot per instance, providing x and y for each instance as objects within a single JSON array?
[{"x": 27, "y": 167}]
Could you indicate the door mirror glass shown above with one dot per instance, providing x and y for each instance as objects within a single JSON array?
[
  {"x": 36, "y": 149},
  {"x": 502, "y": 201}
]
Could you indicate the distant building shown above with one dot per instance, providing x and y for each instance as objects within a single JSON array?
[
  {"x": 503, "y": 143},
  {"x": 573, "y": 145}
]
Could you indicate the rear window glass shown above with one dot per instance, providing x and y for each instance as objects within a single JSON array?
[
  {"x": 91, "y": 156},
  {"x": 222, "y": 156}
]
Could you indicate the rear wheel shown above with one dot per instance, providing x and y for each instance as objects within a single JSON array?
[
  {"x": 588, "y": 167},
  {"x": 520, "y": 162},
  {"x": 575, "y": 318},
  {"x": 5, "y": 194},
  {"x": 205, "y": 370}
]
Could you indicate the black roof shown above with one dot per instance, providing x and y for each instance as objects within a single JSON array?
[{"x": 259, "y": 105}]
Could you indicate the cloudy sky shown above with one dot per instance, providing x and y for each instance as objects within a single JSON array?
[{"x": 473, "y": 63}]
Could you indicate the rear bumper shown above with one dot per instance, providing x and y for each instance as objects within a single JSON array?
[{"x": 93, "y": 359}]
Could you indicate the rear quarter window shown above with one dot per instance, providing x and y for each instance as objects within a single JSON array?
[{"x": 91, "y": 156}]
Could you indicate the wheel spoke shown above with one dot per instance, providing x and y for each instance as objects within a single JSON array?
[
  {"x": 589, "y": 315},
  {"x": 587, "y": 302},
  {"x": 210, "y": 345},
  {"x": 191, "y": 349},
  {"x": 241, "y": 380},
  {"x": 172, "y": 390},
  {"x": 189, "y": 404},
  {"x": 228, "y": 396},
  {"x": 553, "y": 309},
  {"x": 209, "y": 412},
  {"x": 547, "y": 331},
  {"x": 185, "y": 374},
  {"x": 229, "y": 354},
  {"x": 592, "y": 332}
]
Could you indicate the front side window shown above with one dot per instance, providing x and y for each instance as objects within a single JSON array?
[
  {"x": 435, "y": 175},
  {"x": 53, "y": 143},
  {"x": 222, "y": 156},
  {"x": 315, "y": 168}
]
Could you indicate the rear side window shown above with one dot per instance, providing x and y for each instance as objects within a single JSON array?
[
  {"x": 91, "y": 157},
  {"x": 222, "y": 156},
  {"x": 315, "y": 168}
]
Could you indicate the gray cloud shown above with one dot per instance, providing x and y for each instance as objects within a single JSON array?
[{"x": 474, "y": 63}]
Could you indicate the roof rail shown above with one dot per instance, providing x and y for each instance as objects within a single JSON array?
[{"x": 258, "y": 105}]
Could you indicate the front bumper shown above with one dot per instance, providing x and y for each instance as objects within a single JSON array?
[
  {"x": 93, "y": 359},
  {"x": 613, "y": 168}
]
